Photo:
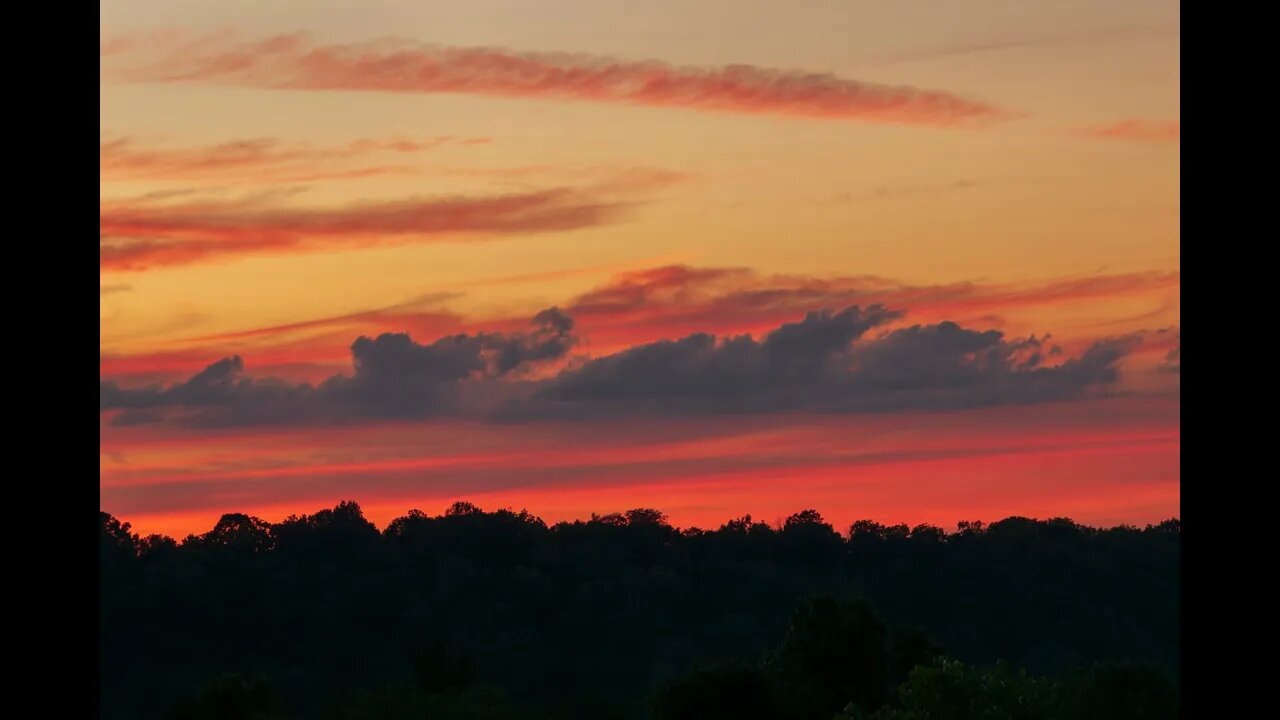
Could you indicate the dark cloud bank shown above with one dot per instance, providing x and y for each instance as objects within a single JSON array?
[{"x": 827, "y": 362}]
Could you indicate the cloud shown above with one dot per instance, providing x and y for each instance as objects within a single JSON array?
[
  {"x": 724, "y": 288},
  {"x": 393, "y": 377},
  {"x": 668, "y": 301},
  {"x": 815, "y": 366},
  {"x": 422, "y": 307},
  {"x": 1000, "y": 45},
  {"x": 1173, "y": 359},
  {"x": 396, "y": 377},
  {"x": 896, "y": 193},
  {"x": 679, "y": 299},
  {"x": 140, "y": 235},
  {"x": 1135, "y": 130},
  {"x": 700, "y": 369},
  {"x": 113, "y": 288},
  {"x": 827, "y": 362},
  {"x": 391, "y": 65},
  {"x": 260, "y": 160},
  {"x": 220, "y": 390}
]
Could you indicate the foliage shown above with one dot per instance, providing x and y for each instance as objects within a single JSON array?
[
  {"x": 589, "y": 618},
  {"x": 231, "y": 697},
  {"x": 955, "y": 691}
]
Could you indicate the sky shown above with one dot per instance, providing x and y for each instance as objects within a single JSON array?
[{"x": 888, "y": 259}]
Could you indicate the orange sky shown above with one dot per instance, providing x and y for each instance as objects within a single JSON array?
[{"x": 278, "y": 181}]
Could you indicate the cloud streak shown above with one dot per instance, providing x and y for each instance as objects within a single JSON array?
[
  {"x": 399, "y": 66},
  {"x": 1135, "y": 130},
  {"x": 662, "y": 301},
  {"x": 1001, "y": 45},
  {"x": 260, "y": 160},
  {"x": 141, "y": 235}
]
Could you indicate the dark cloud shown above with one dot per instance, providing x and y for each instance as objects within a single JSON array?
[
  {"x": 1173, "y": 359},
  {"x": 821, "y": 364},
  {"x": 701, "y": 372},
  {"x": 217, "y": 395},
  {"x": 826, "y": 362},
  {"x": 945, "y": 366},
  {"x": 394, "y": 376}
]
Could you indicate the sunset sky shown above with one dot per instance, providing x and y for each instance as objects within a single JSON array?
[{"x": 889, "y": 259}]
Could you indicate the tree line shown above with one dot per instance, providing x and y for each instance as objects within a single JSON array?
[{"x": 475, "y": 614}]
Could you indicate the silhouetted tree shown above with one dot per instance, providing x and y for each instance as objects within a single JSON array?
[
  {"x": 646, "y": 516},
  {"x": 732, "y": 692},
  {"x": 587, "y": 618},
  {"x": 462, "y": 508},
  {"x": 231, "y": 697},
  {"x": 238, "y": 532},
  {"x": 835, "y": 651},
  {"x": 955, "y": 691},
  {"x": 1122, "y": 692},
  {"x": 440, "y": 669},
  {"x": 117, "y": 546}
]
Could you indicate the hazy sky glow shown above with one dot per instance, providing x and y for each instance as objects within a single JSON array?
[{"x": 702, "y": 190}]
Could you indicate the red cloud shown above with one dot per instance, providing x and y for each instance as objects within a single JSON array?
[
  {"x": 141, "y": 235},
  {"x": 1132, "y": 129},
  {"x": 291, "y": 61},
  {"x": 675, "y": 300}
]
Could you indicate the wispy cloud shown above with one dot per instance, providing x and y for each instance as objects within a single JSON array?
[
  {"x": 1134, "y": 129},
  {"x": 883, "y": 192},
  {"x": 978, "y": 47},
  {"x": 139, "y": 235},
  {"x": 261, "y": 160},
  {"x": 430, "y": 304},
  {"x": 667, "y": 301},
  {"x": 400, "y": 66}
]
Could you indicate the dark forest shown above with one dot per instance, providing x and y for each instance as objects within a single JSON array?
[{"x": 496, "y": 615}]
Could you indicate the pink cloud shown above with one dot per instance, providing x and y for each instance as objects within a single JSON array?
[
  {"x": 146, "y": 233},
  {"x": 294, "y": 62}
]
